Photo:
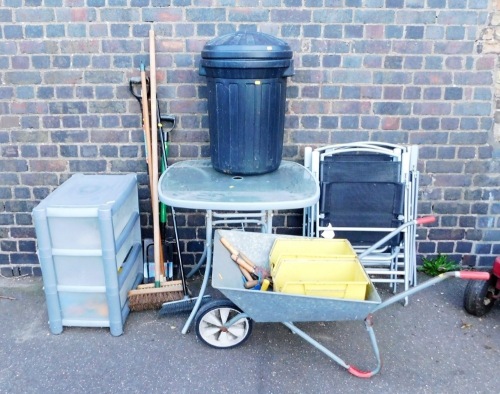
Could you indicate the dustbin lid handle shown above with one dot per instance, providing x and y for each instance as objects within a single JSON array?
[
  {"x": 290, "y": 70},
  {"x": 202, "y": 70}
]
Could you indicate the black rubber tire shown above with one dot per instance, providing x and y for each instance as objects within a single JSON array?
[
  {"x": 211, "y": 316},
  {"x": 478, "y": 297}
]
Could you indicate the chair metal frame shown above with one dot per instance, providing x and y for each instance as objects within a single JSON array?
[{"x": 395, "y": 265}]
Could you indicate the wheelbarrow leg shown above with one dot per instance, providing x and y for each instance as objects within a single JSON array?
[
  {"x": 373, "y": 340},
  {"x": 351, "y": 369}
]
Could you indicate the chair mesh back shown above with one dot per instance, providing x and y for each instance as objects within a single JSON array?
[
  {"x": 368, "y": 167},
  {"x": 361, "y": 190}
]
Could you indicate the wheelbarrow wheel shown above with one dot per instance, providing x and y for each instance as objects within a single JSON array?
[
  {"x": 479, "y": 296},
  {"x": 210, "y": 329}
]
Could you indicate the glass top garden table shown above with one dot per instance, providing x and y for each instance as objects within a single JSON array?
[{"x": 194, "y": 184}]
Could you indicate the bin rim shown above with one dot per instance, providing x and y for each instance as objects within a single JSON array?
[
  {"x": 246, "y": 45},
  {"x": 245, "y": 63}
]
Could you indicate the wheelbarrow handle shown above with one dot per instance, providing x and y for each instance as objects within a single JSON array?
[
  {"x": 376, "y": 245},
  {"x": 474, "y": 275},
  {"x": 426, "y": 220}
]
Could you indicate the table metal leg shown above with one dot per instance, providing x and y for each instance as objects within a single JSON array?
[
  {"x": 267, "y": 226},
  {"x": 269, "y": 221},
  {"x": 208, "y": 264},
  {"x": 262, "y": 219},
  {"x": 198, "y": 264}
]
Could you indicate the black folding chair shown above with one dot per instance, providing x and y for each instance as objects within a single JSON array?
[{"x": 368, "y": 190}]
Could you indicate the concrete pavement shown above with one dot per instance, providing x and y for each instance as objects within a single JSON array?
[{"x": 430, "y": 346}]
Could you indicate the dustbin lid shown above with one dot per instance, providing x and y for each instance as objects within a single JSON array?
[{"x": 246, "y": 45}]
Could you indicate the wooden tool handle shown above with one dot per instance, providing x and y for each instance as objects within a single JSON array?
[
  {"x": 149, "y": 149},
  {"x": 238, "y": 260},
  {"x": 235, "y": 251},
  {"x": 247, "y": 260},
  {"x": 251, "y": 283},
  {"x": 145, "y": 118},
  {"x": 245, "y": 273},
  {"x": 154, "y": 158},
  {"x": 228, "y": 246}
]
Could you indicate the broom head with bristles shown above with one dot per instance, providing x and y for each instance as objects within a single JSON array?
[{"x": 149, "y": 297}]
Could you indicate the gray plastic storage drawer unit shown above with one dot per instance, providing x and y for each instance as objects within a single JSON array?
[{"x": 89, "y": 246}]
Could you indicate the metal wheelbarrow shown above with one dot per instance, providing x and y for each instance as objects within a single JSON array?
[{"x": 226, "y": 323}]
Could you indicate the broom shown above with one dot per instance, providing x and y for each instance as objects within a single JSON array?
[
  {"x": 152, "y": 296},
  {"x": 187, "y": 302}
]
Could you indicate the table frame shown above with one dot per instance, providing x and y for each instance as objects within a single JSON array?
[{"x": 259, "y": 213}]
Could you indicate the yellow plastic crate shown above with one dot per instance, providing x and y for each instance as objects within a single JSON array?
[
  {"x": 322, "y": 277},
  {"x": 308, "y": 247}
]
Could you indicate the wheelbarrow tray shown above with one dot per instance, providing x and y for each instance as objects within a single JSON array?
[{"x": 269, "y": 306}]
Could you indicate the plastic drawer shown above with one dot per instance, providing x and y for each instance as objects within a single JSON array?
[
  {"x": 73, "y": 214},
  {"x": 100, "y": 306}
]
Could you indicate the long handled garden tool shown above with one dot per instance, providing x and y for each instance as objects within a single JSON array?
[
  {"x": 142, "y": 98},
  {"x": 186, "y": 304},
  {"x": 148, "y": 297},
  {"x": 164, "y": 138}
]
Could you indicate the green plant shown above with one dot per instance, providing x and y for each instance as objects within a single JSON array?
[{"x": 438, "y": 265}]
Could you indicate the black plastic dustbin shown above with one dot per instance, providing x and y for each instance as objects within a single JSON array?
[{"x": 246, "y": 78}]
